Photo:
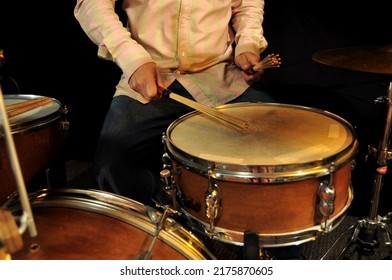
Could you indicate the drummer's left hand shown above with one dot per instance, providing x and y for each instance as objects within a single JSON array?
[{"x": 245, "y": 62}]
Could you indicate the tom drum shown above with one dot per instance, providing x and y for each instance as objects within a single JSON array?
[{"x": 38, "y": 136}]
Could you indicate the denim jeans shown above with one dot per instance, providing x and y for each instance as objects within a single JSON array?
[{"x": 129, "y": 153}]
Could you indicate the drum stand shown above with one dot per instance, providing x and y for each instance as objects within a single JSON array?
[{"x": 366, "y": 231}]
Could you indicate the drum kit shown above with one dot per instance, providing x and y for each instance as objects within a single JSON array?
[{"x": 289, "y": 185}]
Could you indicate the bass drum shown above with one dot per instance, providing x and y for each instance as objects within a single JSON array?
[
  {"x": 38, "y": 136},
  {"x": 288, "y": 178},
  {"x": 76, "y": 224}
]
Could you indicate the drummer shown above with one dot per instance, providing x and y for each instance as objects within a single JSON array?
[{"x": 196, "y": 49}]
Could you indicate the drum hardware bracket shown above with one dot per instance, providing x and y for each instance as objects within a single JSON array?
[
  {"x": 167, "y": 162},
  {"x": 167, "y": 177},
  {"x": 159, "y": 223},
  {"x": 383, "y": 155},
  {"x": 169, "y": 186},
  {"x": 171, "y": 189}
]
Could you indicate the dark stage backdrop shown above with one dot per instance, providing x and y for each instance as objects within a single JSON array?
[{"x": 48, "y": 54}]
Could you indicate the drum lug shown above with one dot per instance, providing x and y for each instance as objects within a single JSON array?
[
  {"x": 65, "y": 122},
  {"x": 327, "y": 195},
  {"x": 167, "y": 162},
  {"x": 213, "y": 198},
  {"x": 353, "y": 164}
]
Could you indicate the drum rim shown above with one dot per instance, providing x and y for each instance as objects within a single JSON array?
[
  {"x": 115, "y": 206},
  {"x": 273, "y": 173},
  {"x": 38, "y": 123}
]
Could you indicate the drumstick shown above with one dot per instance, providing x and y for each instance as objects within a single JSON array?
[
  {"x": 270, "y": 61},
  {"x": 22, "y": 104},
  {"x": 231, "y": 121},
  {"x": 21, "y": 107}
]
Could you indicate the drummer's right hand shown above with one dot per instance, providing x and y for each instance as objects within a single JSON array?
[{"x": 145, "y": 80}]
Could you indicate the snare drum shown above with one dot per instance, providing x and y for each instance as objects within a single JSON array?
[
  {"x": 288, "y": 178},
  {"x": 38, "y": 137},
  {"x": 76, "y": 224}
]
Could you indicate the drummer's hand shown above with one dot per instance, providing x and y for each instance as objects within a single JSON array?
[
  {"x": 245, "y": 61},
  {"x": 145, "y": 81}
]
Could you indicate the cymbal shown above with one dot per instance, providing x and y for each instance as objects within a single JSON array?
[{"x": 373, "y": 59}]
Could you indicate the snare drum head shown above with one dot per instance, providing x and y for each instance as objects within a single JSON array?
[
  {"x": 37, "y": 116},
  {"x": 279, "y": 135}
]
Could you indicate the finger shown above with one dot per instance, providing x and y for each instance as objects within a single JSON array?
[
  {"x": 242, "y": 62},
  {"x": 250, "y": 78},
  {"x": 152, "y": 92}
]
